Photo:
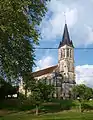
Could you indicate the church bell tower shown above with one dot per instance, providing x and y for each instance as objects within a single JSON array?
[{"x": 66, "y": 62}]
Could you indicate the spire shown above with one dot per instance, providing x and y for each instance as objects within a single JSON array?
[{"x": 66, "y": 38}]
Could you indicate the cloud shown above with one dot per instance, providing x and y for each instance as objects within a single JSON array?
[
  {"x": 84, "y": 75},
  {"x": 80, "y": 23},
  {"x": 52, "y": 24},
  {"x": 79, "y": 20},
  {"x": 90, "y": 35},
  {"x": 45, "y": 62}
]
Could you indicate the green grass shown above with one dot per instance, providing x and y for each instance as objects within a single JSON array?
[
  {"x": 54, "y": 110},
  {"x": 52, "y": 106},
  {"x": 65, "y": 115}
]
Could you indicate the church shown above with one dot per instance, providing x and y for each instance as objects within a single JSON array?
[{"x": 62, "y": 75}]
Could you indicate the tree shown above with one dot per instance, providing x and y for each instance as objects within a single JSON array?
[
  {"x": 47, "y": 90},
  {"x": 29, "y": 83},
  {"x": 41, "y": 93},
  {"x": 82, "y": 91},
  {"x": 19, "y": 20}
]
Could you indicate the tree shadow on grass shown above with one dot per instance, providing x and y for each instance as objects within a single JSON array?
[
  {"x": 54, "y": 106},
  {"x": 50, "y": 107},
  {"x": 57, "y": 106}
]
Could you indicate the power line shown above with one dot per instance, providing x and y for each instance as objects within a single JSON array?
[
  {"x": 57, "y": 48},
  {"x": 44, "y": 48}
]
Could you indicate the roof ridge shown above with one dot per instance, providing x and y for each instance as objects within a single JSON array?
[
  {"x": 44, "y": 71},
  {"x": 45, "y": 68}
]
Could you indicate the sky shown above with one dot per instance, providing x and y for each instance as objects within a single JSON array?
[{"x": 79, "y": 18}]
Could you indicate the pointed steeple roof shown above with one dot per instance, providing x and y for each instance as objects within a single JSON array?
[{"x": 66, "y": 39}]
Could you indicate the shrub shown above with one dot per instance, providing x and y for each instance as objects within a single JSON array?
[{"x": 86, "y": 107}]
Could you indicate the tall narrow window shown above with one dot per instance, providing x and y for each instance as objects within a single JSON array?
[
  {"x": 70, "y": 53},
  {"x": 67, "y": 52},
  {"x": 68, "y": 66},
  {"x": 63, "y": 52}
]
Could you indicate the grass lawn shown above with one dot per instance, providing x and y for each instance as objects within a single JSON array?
[
  {"x": 55, "y": 110},
  {"x": 65, "y": 115}
]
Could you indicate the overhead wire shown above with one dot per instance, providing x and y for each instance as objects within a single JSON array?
[{"x": 57, "y": 48}]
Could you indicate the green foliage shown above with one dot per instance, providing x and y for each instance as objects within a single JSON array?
[
  {"x": 21, "y": 97},
  {"x": 46, "y": 89},
  {"x": 57, "y": 105},
  {"x": 85, "y": 106},
  {"x": 83, "y": 92},
  {"x": 29, "y": 83},
  {"x": 16, "y": 104},
  {"x": 40, "y": 93},
  {"x": 27, "y": 104},
  {"x": 19, "y": 20}
]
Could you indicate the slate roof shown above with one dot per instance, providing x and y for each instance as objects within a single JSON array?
[
  {"x": 66, "y": 39},
  {"x": 44, "y": 71}
]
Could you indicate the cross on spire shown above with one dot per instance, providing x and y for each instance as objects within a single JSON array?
[{"x": 65, "y": 16}]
